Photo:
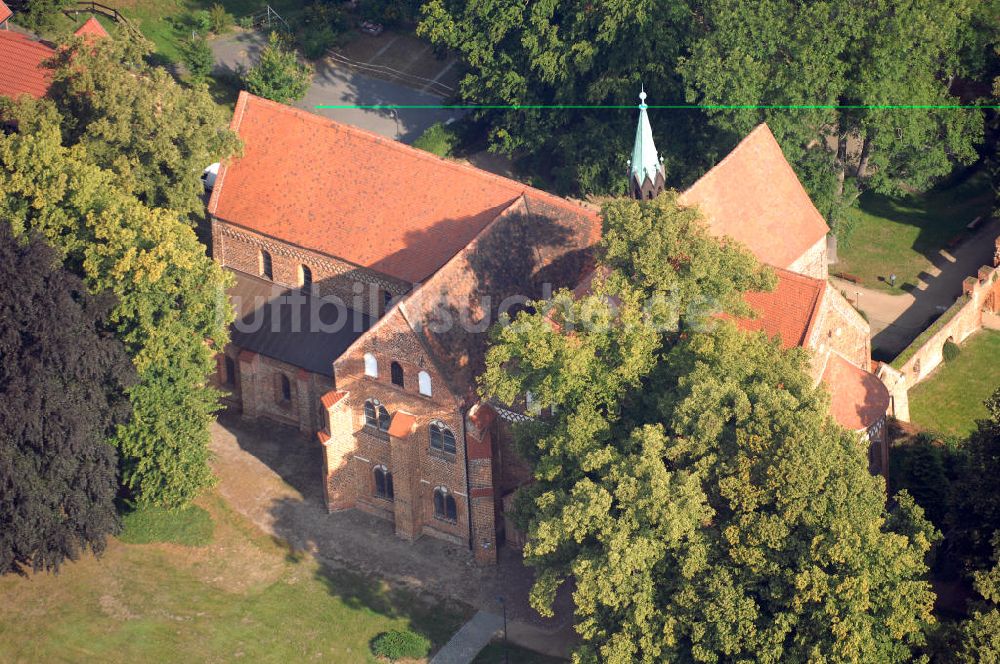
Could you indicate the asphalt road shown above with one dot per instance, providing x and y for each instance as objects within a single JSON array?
[{"x": 335, "y": 84}]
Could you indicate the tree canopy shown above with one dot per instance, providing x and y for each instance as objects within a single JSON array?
[
  {"x": 62, "y": 395},
  {"x": 171, "y": 314},
  {"x": 278, "y": 75},
  {"x": 133, "y": 119},
  {"x": 688, "y": 476},
  {"x": 719, "y": 52}
]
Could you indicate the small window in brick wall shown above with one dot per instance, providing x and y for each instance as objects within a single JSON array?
[
  {"x": 266, "y": 269},
  {"x": 371, "y": 365},
  {"x": 230, "y": 371},
  {"x": 286, "y": 388},
  {"x": 444, "y": 504},
  {"x": 383, "y": 483},
  {"x": 442, "y": 439},
  {"x": 396, "y": 373},
  {"x": 424, "y": 383},
  {"x": 306, "y": 279},
  {"x": 376, "y": 415}
]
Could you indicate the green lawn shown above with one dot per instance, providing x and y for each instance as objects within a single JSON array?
[
  {"x": 241, "y": 596},
  {"x": 896, "y": 235},
  {"x": 951, "y": 399}
]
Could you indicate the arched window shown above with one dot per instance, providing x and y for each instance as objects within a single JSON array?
[
  {"x": 386, "y": 300},
  {"x": 371, "y": 414},
  {"x": 371, "y": 365},
  {"x": 424, "y": 383},
  {"x": 286, "y": 388},
  {"x": 265, "y": 265},
  {"x": 442, "y": 439},
  {"x": 444, "y": 504},
  {"x": 383, "y": 483},
  {"x": 306, "y": 278},
  {"x": 396, "y": 373},
  {"x": 383, "y": 419},
  {"x": 230, "y": 371}
]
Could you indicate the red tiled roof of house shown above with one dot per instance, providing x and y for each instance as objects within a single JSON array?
[
  {"x": 789, "y": 311},
  {"x": 857, "y": 398},
  {"x": 330, "y": 187},
  {"x": 22, "y": 71},
  {"x": 91, "y": 27},
  {"x": 402, "y": 424},
  {"x": 754, "y": 196},
  {"x": 5, "y": 12},
  {"x": 332, "y": 397}
]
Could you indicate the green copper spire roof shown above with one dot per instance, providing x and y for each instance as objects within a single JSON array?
[{"x": 645, "y": 162}]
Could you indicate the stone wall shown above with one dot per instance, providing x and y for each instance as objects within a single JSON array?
[
  {"x": 813, "y": 263},
  {"x": 841, "y": 328},
  {"x": 979, "y": 293},
  {"x": 357, "y": 287}
]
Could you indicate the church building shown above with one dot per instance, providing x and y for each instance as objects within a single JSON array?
[{"x": 367, "y": 273}]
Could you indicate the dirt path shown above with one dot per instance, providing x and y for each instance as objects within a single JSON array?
[
  {"x": 273, "y": 476},
  {"x": 897, "y": 320}
]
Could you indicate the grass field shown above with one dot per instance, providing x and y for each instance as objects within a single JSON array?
[
  {"x": 242, "y": 596},
  {"x": 951, "y": 399},
  {"x": 896, "y": 235}
]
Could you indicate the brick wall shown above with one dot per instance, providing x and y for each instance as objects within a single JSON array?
[
  {"x": 813, "y": 263},
  {"x": 259, "y": 389},
  {"x": 417, "y": 469},
  {"x": 357, "y": 287},
  {"x": 841, "y": 328}
]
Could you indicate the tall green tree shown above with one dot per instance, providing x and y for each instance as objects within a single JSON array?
[
  {"x": 62, "y": 395},
  {"x": 133, "y": 119},
  {"x": 278, "y": 75},
  {"x": 172, "y": 314},
  {"x": 688, "y": 476}
]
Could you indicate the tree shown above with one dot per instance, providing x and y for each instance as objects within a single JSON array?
[
  {"x": 575, "y": 52},
  {"x": 979, "y": 635},
  {"x": 689, "y": 478},
  {"x": 719, "y": 52},
  {"x": 40, "y": 15},
  {"x": 62, "y": 395},
  {"x": 136, "y": 121},
  {"x": 172, "y": 313},
  {"x": 198, "y": 57},
  {"x": 278, "y": 75}
]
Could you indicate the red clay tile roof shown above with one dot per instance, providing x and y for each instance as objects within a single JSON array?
[
  {"x": 402, "y": 424},
  {"x": 323, "y": 437},
  {"x": 5, "y": 12},
  {"x": 754, "y": 196},
  {"x": 374, "y": 202},
  {"x": 332, "y": 397},
  {"x": 789, "y": 311},
  {"x": 21, "y": 71},
  {"x": 857, "y": 398},
  {"x": 91, "y": 27}
]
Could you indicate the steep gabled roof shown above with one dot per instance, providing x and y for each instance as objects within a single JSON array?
[
  {"x": 754, "y": 196},
  {"x": 789, "y": 311},
  {"x": 532, "y": 248},
  {"x": 91, "y": 28},
  {"x": 5, "y": 12},
  {"x": 857, "y": 398},
  {"x": 21, "y": 71},
  {"x": 313, "y": 182}
]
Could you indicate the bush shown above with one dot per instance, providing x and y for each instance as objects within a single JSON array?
[
  {"x": 190, "y": 526},
  {"x": 198, "y": 57},
  {"x": 221, "y": 19},
  {"x": 278, "y": 76},
  {"x": 317, "y": 41},
  {"x": 201, "y": 21},
  {"x": 245, "y": 22},
  {"x": 437, "y": 139},
  {"x": 399, "y": 644},
  {"x": 951, "y": 351}
]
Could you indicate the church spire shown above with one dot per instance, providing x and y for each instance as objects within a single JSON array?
[{"x": 646, "y": 176}]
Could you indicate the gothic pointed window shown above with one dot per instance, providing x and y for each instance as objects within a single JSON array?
[
  {"x": 396, "y": 373},
  {"x": 266, "y": 270},
  {"x": 383, "y": 419},
  {"x": 286, "y": 388},
  {"x": 442, "y": 439},
  {"x": 371, "y": 365},
  {"x": 230, "y": 371},
  {"x": 424, "y": 383},
  {"x": 383, "y": 483},
  {"x": 444, "y": 504},
  {"x": 371, "y": 417},
  {"x": 306, "y": 277}
]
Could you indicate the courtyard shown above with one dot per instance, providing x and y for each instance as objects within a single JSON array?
[{"x": 951, "y": 399}]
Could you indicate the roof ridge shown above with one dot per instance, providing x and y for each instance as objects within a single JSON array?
[
  {"x": 762, "y": 127},
  {"x": 519, "y": 188},
  {"x": 234, "y": 124}
]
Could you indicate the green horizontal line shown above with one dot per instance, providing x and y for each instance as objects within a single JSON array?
[{"x": 684, "y": 107}]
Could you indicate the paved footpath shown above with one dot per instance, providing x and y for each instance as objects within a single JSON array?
[
  {"x": 475, "y": 635},
  {"x": 896, "y": 320}
]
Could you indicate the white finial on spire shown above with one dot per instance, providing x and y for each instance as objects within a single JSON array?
[{"x": 642, "y": 97}]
